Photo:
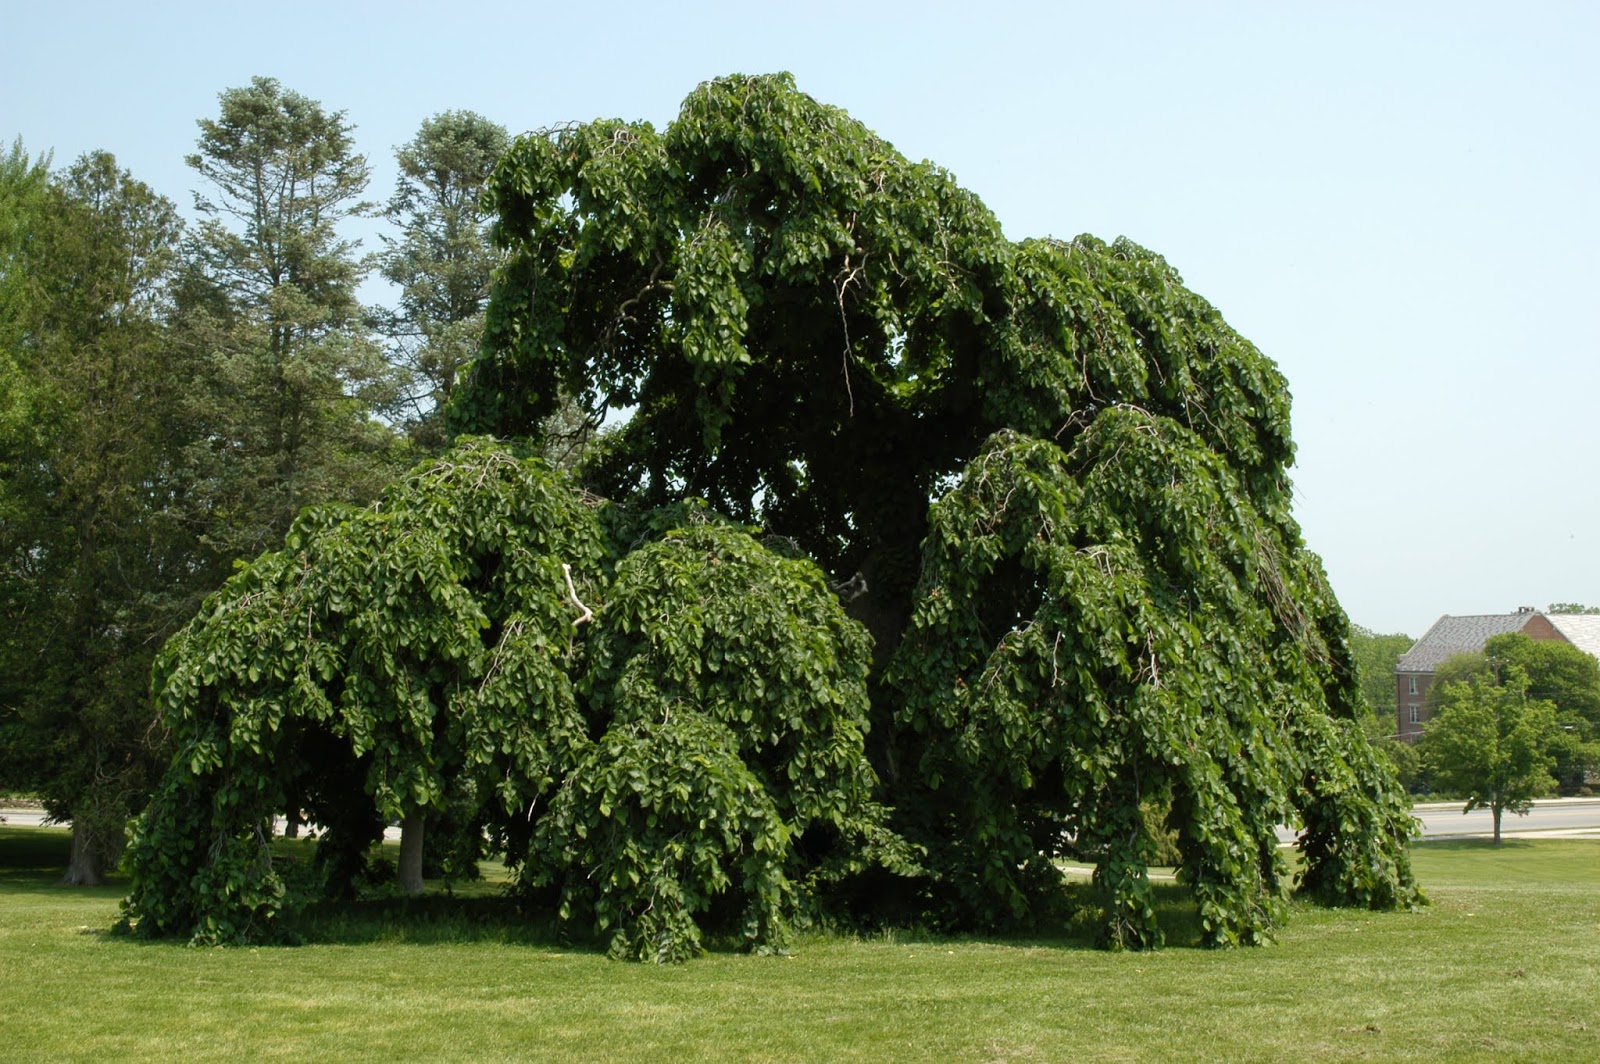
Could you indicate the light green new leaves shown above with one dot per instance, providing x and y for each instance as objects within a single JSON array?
[{"x": 1492, "y": 743}]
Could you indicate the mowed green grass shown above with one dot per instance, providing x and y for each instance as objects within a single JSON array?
[{"x": 1505, "y": 965}]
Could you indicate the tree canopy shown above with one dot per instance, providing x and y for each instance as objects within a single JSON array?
[
  {"x": 92, "y": 555},
  {"x": 813, "y": 333},
  {"x": 442, "y": 259},
  {"x": 1028, "y": 585},
  {"x": 433, "y": 639},
  {"x": 383, "y": 653},
  {"x": 1552, "y": 671},
  {"x": 270, "y": 296},
  {"x": 1491, "y": 743}
]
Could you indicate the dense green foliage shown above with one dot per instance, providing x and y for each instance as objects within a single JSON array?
[
  {"x": 1110, "y": 607},
  {"x": 392, "y": 658},
  {"x": 1555, "y": 672},
  {"x": 383, "y": 655},
  {"x": 1558, "y": 672},
  {"x": 732, "y": 691},
  {"x": 170, "y": 399},
  {"x": 94, "y": 556},
  {"x": 1124, "y": 675},
  {"x": 1105, "y": 636},
  {"x": 170, "y": 402}
]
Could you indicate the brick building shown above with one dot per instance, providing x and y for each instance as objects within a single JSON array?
[{"x": 1413, "y": 673}]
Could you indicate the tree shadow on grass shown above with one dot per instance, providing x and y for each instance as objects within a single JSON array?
[
  {"x": 25, "y": 850},
  {"x": 1474, "y": 844},
  {"x": 427, "y": 919},
  {"x": 1073, "y": 926},
  {"x": 504, "y": 919},
  {"x": 33, "y": 861}
]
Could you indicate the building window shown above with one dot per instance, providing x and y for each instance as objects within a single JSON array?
[
  {"x": 1416, "y": 712},
  {"x": 1413, "y": 685}
]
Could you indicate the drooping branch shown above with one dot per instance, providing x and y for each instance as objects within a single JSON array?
[{"x": 588, "y": 614}]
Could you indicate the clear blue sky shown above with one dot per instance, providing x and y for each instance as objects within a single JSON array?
[{"x": 1396, "y": 201}]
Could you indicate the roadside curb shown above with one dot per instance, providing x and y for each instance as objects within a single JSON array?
[{"x": 1542, "y": 802}]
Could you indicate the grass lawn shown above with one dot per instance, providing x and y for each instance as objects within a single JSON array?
[{"x": 1505, "y": 965}]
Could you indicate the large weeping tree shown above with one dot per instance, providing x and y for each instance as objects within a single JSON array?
[
  {"x": 1108, "y": 622},
  {"x": 913, "y": 535}
]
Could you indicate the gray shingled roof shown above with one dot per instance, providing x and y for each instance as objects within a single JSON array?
[
  {"x": 1459, "y": 635},
  {"x": 1581, "y": 629}
]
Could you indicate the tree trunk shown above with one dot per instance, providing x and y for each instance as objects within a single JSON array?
[
  {"x": 410, "y": 870},
  {"x": 1496, "y": 810},
  {"x": 83, "y": 869},
  {"x": 291, "y": 824}
]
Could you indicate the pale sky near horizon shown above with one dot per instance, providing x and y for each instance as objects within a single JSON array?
[{"x": 1395, "y": 201}]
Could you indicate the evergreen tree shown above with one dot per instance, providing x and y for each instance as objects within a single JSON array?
[
  {"x": 297, "y": 380},
  {"x": 442, "y": 260}
]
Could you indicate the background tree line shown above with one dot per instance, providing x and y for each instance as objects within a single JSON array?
[
  {"x": 1518, "y": 702},
  {"x": 172, "y": 395}
]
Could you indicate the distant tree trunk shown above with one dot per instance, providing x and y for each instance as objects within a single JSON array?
[
  {"x": 1496, "y": 809},
  {"x": 291, "y": 824},
  {"x": 83, "y": 870},
  {"x": 411, "y": 852}
]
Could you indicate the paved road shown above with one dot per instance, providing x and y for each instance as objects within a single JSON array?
[
  {"x": 1556, "y": 818},
  {"x": 1553, "y": 818},
  {"x": 1559, "y": 818},
  {"x": 22, "y": 817},
  {"x": 35, "y": 817}
]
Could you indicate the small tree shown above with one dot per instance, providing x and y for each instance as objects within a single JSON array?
[
  {"x": 1491, "y": 742},
  {"x": 1559, "y": 673}
]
